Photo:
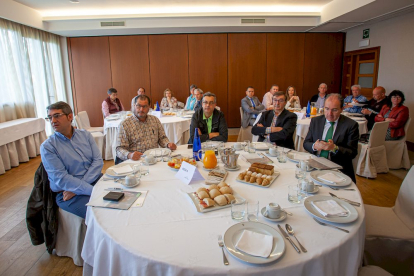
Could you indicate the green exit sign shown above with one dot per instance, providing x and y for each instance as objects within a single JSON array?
[{"x": 365, "y": 34}]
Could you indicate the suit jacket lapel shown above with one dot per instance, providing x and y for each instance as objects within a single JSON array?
[
  {"x": 338, "y": 128},
  {"x": 321, "y": 126}
]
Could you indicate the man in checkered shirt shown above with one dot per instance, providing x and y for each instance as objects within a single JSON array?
[{"x": 140, "y": 133}]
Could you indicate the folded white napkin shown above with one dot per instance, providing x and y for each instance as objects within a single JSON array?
[
  {"x": 298, "y": 156},
  {"x": 255, "y": 244},
  {"x": 331, "y": 178},
  {"x": 329, "y": 208},
  {"x": 261, "y": 146},
  {"x": 122, "y": 170}
]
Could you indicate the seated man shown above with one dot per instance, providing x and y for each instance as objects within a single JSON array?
[
  {"x": 140, "y": 133},
  {"x": 141, "y": 91},
  {"x": 319, "y": 99},
  {"x": 374, "y": 106},
  {"x": 356, "y": 97},
  {"x": 111, "y": 104},
  {"x": 251, "y": 107},
  {"x": 334, "y": 136},
  {"x": 71, "y": 159},
  {"x": 277, "y": 125},
  {"x": 198, "y": 94},
  {"x": 268, "y": 97},
  {"x": 209, "y": 121}
]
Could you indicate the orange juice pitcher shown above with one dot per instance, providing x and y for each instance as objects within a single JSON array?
[{"x": 209, "y": 160}]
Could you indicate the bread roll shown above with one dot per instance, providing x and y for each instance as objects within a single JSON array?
[
  {"x": 221, "y": 200},
  {"x": 201, "y": 189},
  {"x": 226, "y": 190},
  {"x": 247, "y": 178},
  {"x": 213, "y": 193},
  {"x": 265, "y": 182},
  {"x": 202, "y": 195},
  {"x": 229, "y": 197},
  {"x": 212, "y": 187},
  {"x": 240, "y": 177},
  {"x": 253, "y": 179},
  {"x": 259, "y": 180},
  {"x": 208, "y": 202},
  {"x": 222, "y": 184}
]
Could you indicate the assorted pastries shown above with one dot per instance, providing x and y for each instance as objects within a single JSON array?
[
  {"x": 262, "y": 168},
  {"x": 168, "y": 114},
  {"x": 259, "y": 174},
  {"x": 175, "y": 163},
  {"x": 220, "y": 194}
]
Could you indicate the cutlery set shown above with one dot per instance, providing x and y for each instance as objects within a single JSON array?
[{"x": 347, "y": 200}]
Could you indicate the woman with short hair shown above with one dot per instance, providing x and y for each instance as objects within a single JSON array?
[{"x": 111, "y": 104}]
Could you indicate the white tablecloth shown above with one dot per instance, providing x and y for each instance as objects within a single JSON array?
[
  {"x": 168, "y": 237},
  {"x": 302, "y": 130},
  {"x": 19, "y": 140},
  {"x": 176, "y": 128}
]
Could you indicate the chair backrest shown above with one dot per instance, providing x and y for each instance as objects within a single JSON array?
[
  {"x": 407, "y": 124},
  {"x": 404, "y": 205},
  {"x": 241, "y": 113},
  {"x": 180, "y": 104},
  {"x": 378, "y": 133},
  {"x": 84, "y": 118},
  {"x": 78, "y": 122}
]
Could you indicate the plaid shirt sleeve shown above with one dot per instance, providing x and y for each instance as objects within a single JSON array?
[{"x": 122, "y": 143}]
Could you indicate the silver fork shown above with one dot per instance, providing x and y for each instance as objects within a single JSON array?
[
  {"x": 325, "y": 224},
  {"x": 336, "y": 189},
  {"x": 221, "y": 244}
]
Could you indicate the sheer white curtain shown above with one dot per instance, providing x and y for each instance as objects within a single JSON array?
[{"x": 31, "y": 71}]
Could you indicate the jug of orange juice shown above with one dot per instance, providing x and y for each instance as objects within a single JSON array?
[{"x": 209, "y": 160}]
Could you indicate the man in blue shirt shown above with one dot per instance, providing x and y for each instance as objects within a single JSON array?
[
  {"x": 251, "y": 106},
  {"x": 71, "y": 159},
  {"x": 351, "y": 101}
]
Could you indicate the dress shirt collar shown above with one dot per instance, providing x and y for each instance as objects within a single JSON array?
[{"x": 61, "y": 136}]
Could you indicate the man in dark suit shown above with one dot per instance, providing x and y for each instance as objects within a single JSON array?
[
  {"x": 334, "y": 136},
  {"x": 277, "y": 125}
]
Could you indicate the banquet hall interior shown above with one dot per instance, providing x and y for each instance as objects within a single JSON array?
[{"x": 76, "y": 50}]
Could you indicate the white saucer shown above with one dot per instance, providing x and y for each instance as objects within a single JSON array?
[
  {"x": 232, "y": 169},
  {"x": 315, "y": 190},
  {"x": 122, "y": 181},
  {"x": 268, "y": 153},
  {"x": 282, "y": 217},
  {"x": 149, "y": 164}
]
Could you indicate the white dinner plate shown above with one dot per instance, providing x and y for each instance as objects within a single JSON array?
[
  {"x": 232, "y": 236},
  {"x": 315, "y": 177},
  {"x": 261, "y": 146},
  {"x": 110, "y": 173},
  {"x": 165, "y": 152},
  {"x": 352, "y": 216},
  {"x": 291, "y": 156}
]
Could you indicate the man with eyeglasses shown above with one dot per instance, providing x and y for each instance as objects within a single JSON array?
[
  {"x": 278, "y": 125},
  {"x": 210, "y": 122},
  {"x": 334, "y": 136},
  {"x": 251, "y": 107},
  {"x": 71, "y": 159},
  {"x": 140, "y": 133}
]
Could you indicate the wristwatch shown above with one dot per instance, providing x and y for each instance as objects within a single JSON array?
[{"x": 335, "y": 149}]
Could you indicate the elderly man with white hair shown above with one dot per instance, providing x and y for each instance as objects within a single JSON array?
[
  {"x": 319, "y": 99},
  {"x": 354, "y": 98}
]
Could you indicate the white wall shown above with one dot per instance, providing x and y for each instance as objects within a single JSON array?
[
  {"x": 395, "y": 36},
  {"x": 22, "y": 14}
]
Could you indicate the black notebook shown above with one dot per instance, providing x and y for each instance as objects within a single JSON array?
[{"x": 113, "y": 196}]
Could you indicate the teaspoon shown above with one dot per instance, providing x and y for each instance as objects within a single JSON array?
[{"x": 289, "y": 229}]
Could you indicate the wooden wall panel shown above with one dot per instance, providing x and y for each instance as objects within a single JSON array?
[
  {"x": 246, "y": 67},
  {"x": 208, "y": 65},
  {"x": 91, "y": 75},
  {"x": 130, "y": 66},
  {"x": 169, "y": 66},
  {"x": 323, "y": 62},
  {"x": 285, "y": 58}
]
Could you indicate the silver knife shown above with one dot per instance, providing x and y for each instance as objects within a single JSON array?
[
  {"x": 287, "y": 237},
  {"x": 347, "y": 200},
  {"x": 268, "y": 159}
]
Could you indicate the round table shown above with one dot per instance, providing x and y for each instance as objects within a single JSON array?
[
  {"x": 167, "y": 236},
  {"x": 176, "y": 128}
]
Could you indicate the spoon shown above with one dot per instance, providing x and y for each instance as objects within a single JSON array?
[{"x": 289, "y": 229}]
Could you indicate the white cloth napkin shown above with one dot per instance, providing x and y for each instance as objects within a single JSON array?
[
  {"x": 261, "y": 146},
  {"x": 255, "y": 244},
  {"x": 122, "y": 170},
  {"x": 331, "y": 178},
  {"x": 329, "y": 208},
  {"x": 298, "y": 156}
]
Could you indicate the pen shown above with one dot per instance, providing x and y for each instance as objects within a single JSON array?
[{"x": 114, "y": 189}]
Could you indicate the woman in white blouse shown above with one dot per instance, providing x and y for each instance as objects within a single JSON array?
[
  {"x": 168, "y": 101},
  {"x": 292, "y": 99}
]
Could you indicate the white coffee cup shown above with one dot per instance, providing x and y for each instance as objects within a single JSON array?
[
  {"x": 149, "y": 159},
  {"x": 130, "y": 180},
  {"x": 273, "y": 210},
  {"x": 311, "y": 186},
  {"x": 307, "y": 185},
  {"x": 237, "y": 146},
  {"x": 273, "y": 151}
]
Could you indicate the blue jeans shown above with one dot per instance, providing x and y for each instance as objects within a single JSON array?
[{"x": 77, "y": 204}]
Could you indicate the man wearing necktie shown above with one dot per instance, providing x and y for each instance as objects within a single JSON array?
[
  {"x": 334, "y": 136},
  {"x": 251, "y": 107}
]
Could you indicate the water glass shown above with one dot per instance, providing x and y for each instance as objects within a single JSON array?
[
  {"x": 136, "y": 169},
  {"x": 245, "y": 145},
  {"x": 144, "y": 168},
  {"x": 293, "y": 194},
  {"x": 282, "y": 157},
  {"x": 299, "y": 173},
  {"x": 303, "y": 188},
  {"x": 253, "y": 211},
  {"x": 238, "y": 210},
  {"x": 252, "y": 147}
]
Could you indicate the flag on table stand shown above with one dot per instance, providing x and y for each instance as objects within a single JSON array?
[
  {"x": 158, "y": 107},
  {"x": 308, "y": 110}
]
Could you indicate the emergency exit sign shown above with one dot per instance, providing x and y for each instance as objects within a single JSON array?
[{"x": 365, "y": 34}]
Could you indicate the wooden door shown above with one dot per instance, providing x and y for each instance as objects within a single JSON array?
[
  {"x": 91, "y": 75},
  {"x": 285, "y": 58},
  {"x": 246, "y": 67},
  {"x": 208, "y": 65},
  {"x": 169, "y": 66},
  {"x": 130, "y": 66}
]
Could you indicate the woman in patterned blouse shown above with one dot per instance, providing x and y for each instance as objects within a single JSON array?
[{"x": 168, "y": 101}]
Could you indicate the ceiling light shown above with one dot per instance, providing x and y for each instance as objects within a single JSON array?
[{"x": 74, "y": 1}]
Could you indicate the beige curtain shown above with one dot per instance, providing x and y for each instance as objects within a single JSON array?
[{"x": 31, "y": 71}]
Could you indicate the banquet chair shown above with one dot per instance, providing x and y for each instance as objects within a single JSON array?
[
  {"x": 245, "y": 133},
  {"x": 372, "y": 157},
  {"x": 389, "y": 238},
  {"x": 372, "y": 270},
  {"x": 85, "y": 123},
  {"x": 180, "y": 105},
  {"x": 99, "y": 137},
  {"x": 397, "y": 150}
]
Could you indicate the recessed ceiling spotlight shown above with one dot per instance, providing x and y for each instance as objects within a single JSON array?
[{"x": 74, "y": 1}]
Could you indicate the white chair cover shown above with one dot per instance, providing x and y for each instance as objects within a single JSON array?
[
  {"x": 70, "y": 236},
  {"x": 372, "y": 157},
  {"x": 97, "y": 136},
  {"x": 397, "y": 150},
  {"x": 180, "y": 105},
  {"x": 245, "y": 133},
  {"x": 85, "y": 123},
  {"x": 389, "y": 241}
]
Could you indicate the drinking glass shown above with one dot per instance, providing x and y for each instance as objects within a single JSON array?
[
  {"x": 136, "y": 169},
  {"x": 303, "y": 188},
  {"x": 252, "y": 147},
  {"x": 238, "y": 209},
  {"x": 293, "y": 194},
  {"x": 158, "y": 155},
  {"x": 299, "y": 173},
  {"x": 144, "y": 168},
  {"x": 253, "y": 211},
  {"x": 282, "y": 157},
  {"x": 245, "y": 145}
]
